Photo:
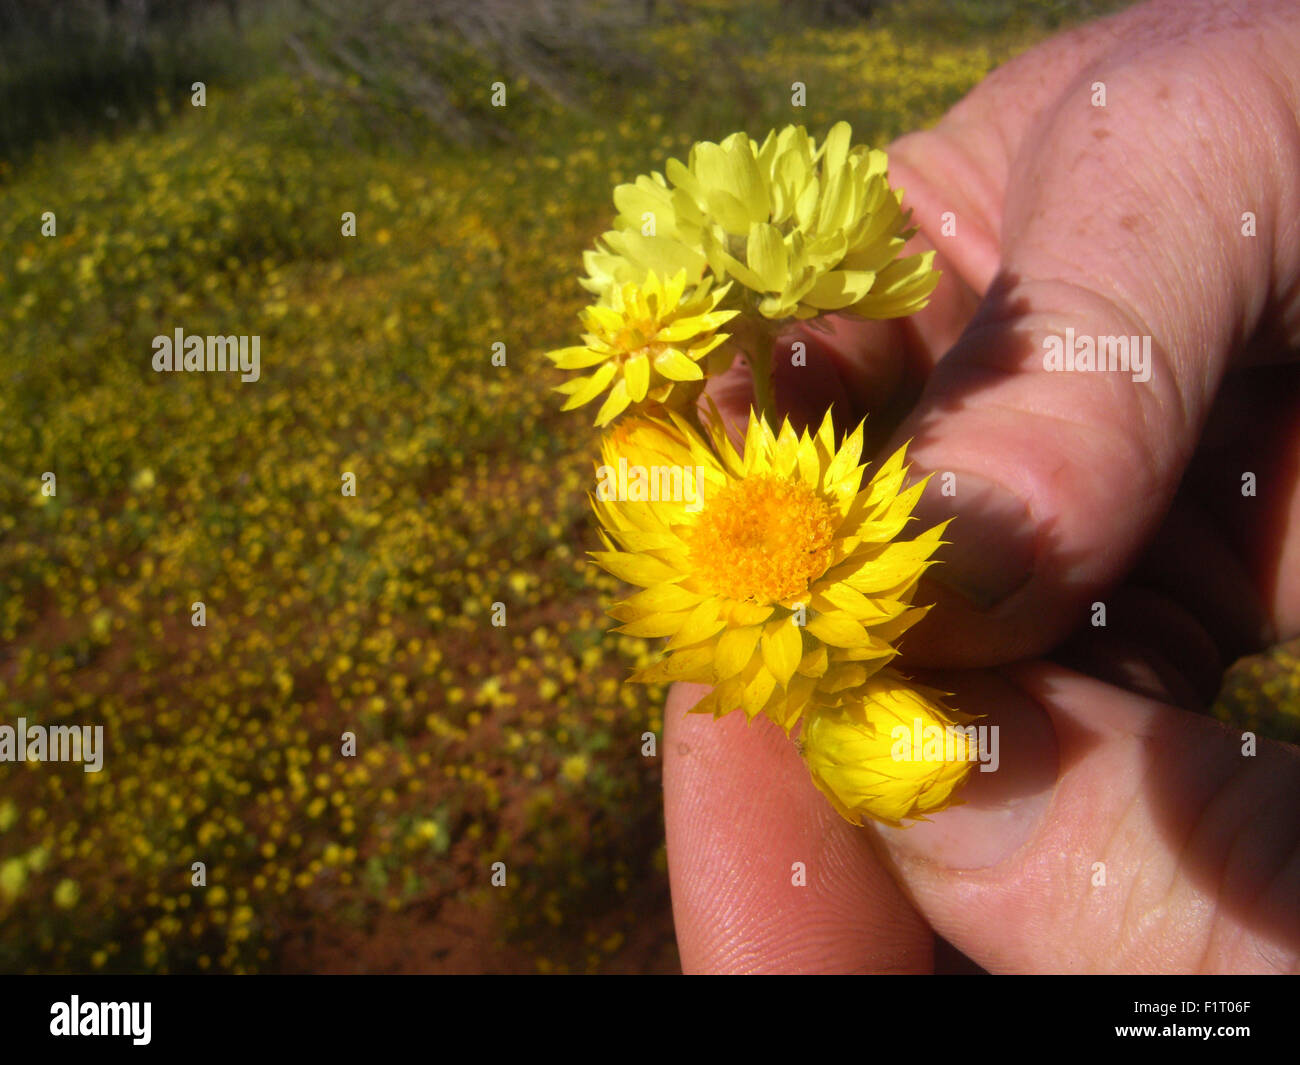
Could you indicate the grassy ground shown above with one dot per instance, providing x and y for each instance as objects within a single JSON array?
[{"x": 371, "y": 614}]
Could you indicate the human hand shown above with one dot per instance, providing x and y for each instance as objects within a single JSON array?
[{"x": 1070, "y": 488}]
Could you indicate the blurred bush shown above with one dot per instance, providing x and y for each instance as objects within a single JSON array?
[{"x": 74, "y": 66}]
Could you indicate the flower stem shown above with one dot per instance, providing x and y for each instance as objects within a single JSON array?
[{"x": 757, "y": 336}]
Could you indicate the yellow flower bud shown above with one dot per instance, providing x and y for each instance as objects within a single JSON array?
[{"x": 891, "y": 751}]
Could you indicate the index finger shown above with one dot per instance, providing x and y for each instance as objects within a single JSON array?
[{"x": 765, "y": 876}]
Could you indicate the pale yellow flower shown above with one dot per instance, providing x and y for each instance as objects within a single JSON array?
[{"x": 807, "y": 228}]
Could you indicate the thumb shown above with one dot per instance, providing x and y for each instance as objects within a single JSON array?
[
  {"x": 1118, "y": 834},
  {"x": 1059, "y": 425}
]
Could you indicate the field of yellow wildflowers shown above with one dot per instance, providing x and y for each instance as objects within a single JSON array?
[{"x": 369, "y": 614}]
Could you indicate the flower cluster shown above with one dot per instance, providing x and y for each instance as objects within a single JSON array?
[
  {"x": 780, "y": 573},
  {"x": 805, "y": 229}
]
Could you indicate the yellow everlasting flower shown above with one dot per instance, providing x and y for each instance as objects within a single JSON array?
[
  {"x": 777, "y": 575},
  {"x": 66, "y": 894},
  {"x": 891, "y": 751},
  {"x": 13, "y": 878},
  {"x": 647, "y": 344},
  {"x": 574, "y": 768},
  {"x": 807, "y": 228}
]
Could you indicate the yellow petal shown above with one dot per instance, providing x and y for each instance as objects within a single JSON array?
[
  {"x": 845, "y": 462},
  {"x": 841, "y": 676},
  {"x": 724, "y": 698},
  {"x": 767, "y": 256},
  {"x": 663, "y": 597},
  {"x": 782, "y": 648},
  {"x": 750, "y": 613},
  {"x": 642, "y": 540},
  {"x": 636, "y": 371},
  {"x": 728, "y": 210},
  {"x": 674, "y": 365},
  {"x": 576, "y": 358},
  {"x": 810, "y": 472},
  {"x": 806, "y": 203},
  {"x": 841, "y": 597},
  {"x": 838, "y": 289},
  {"x": 603, "y": 320},
  {"x": 654, "y": 626},
  {"x": 787, "y": 451},
  {"x": 838, "y": 630},
  {"x": 693, "y": 664},
  {"x": 615, "y": 403},
  {"x": 836, "y": 148},
  {"x": 815, "y": 662},
  {"x": 758, "y": 691},
  {"x": 662, "y": 255},
  {"x": 644, "y": 570},
  {"x": 736, "y": 650},
  {"x": 590, "y": 387},
  {"x": 700, "y": 624}
]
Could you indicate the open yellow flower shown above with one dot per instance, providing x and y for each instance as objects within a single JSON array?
[
  {"x": 891, "y": 751},
  {"x": 777, "y": 575},
  {"x": 647, "y": 344},
  {"x": 807, "y": 228}
]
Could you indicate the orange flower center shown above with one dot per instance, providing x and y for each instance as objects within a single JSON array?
[{"x": 763, "y": 539}]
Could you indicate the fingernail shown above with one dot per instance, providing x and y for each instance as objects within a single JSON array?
[
  {"x": 991, "y": 550},
  {"x": 1002, "y": 809}
]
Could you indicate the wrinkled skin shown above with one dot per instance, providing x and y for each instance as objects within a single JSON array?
[{"x": 1071, "y": 489}]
